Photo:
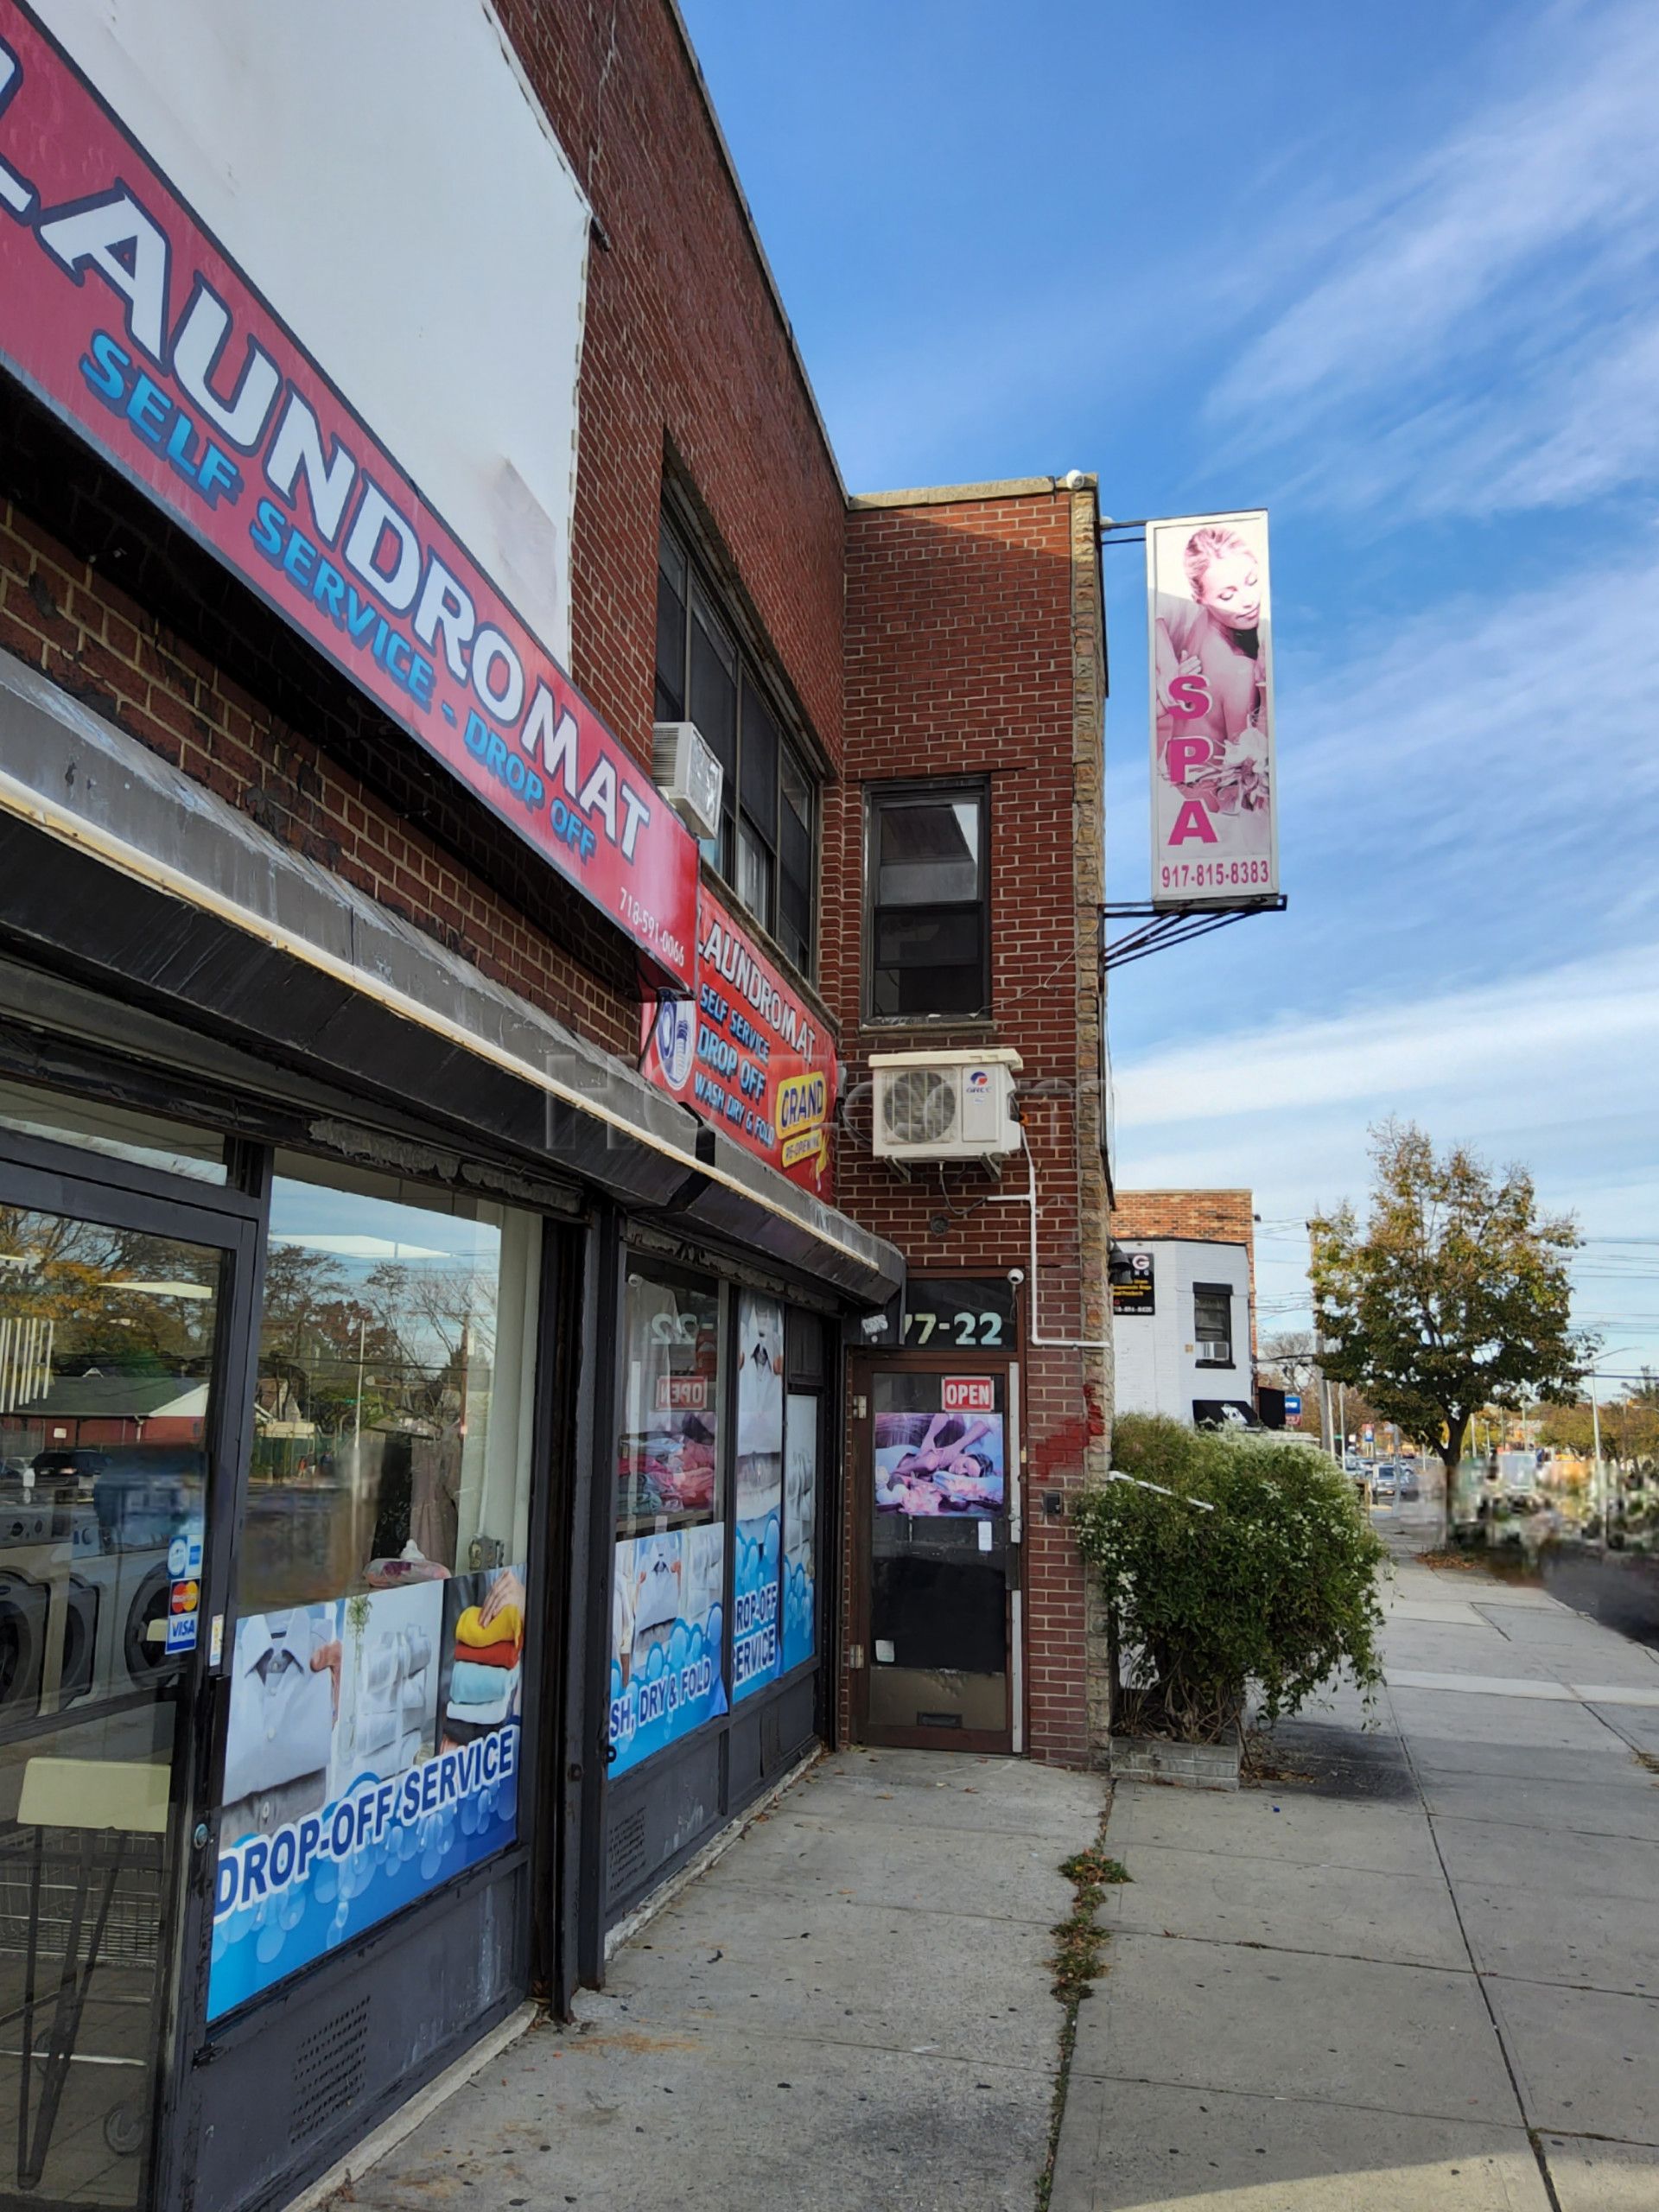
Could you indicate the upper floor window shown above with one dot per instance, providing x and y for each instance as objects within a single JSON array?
[
  {"x": 768, "y": 832},
  {"x": 1213, "y": 1324},
  {"x": 927, "y": 901}
]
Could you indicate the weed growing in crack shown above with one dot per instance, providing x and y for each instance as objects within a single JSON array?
[{"x": 1075, "y": 1959}]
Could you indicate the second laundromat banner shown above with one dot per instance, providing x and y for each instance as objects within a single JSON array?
[{"x": 746, "y": 1053}]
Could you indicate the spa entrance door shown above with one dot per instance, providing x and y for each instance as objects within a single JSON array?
[{"x": 935, "y": 1461}]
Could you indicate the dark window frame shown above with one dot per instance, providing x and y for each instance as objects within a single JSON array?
[
  {"x": 756, "y": 700},
  {"x": 932, "y": 791},
  {"x": 1226, "y": 1292}
]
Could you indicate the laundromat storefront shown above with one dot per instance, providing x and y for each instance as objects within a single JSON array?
[
  {"x": 270, "y": 1441},
  {"x": 294, "y": 1796},
  {"x": 346, "y": 1455}
]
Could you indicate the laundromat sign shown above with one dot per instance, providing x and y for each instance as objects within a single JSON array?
[
  {"x": 746, "y": 1053},
  {"x": 129, "y": 321}
]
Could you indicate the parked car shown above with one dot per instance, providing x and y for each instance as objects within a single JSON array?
[
  {"x": 1384, "y": 1482},
  {"x": 1409, "y": 1487}
]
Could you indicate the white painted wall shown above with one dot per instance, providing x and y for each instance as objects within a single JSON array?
[
  {"x": 382, "y": 172},
  {"x": 1155, "y": 1355}
]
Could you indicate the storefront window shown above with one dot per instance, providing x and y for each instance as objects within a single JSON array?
[
  {"x": 800, "y": 1527},
  {"x": 378, "y": 1666},
  {"x": 107, "y": 1341},
  {"x": 667, "y": 1613},
  {"x": 116, "y": 1132},
  {"x": 755, "y": 1646}
]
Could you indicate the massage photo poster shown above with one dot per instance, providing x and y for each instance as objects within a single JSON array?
[
  {"x": 371, "y": 1755},
  {"x": 1210, "y": 647}
]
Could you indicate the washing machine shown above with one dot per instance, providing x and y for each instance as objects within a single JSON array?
[{"x": 25, "y": 1605}]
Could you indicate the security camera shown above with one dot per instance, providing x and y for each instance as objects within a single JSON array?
[
  {"x": 1072, "y": 480},
  {"x": 1016, "y": 1274}
]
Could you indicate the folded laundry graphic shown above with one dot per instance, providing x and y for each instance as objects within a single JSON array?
[
  {"x": 471, "y": 1684},
  {"x": 505, "y": 1626},
  {"x": 482, "y": 1697},
  {"x": 490, "y": 1655}
]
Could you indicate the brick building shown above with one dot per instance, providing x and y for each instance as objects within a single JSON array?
[
  {"x": 974, "y": 665},
  {"x": 1183, "y": 1265},
  {"x": 407, "y": 1053}
]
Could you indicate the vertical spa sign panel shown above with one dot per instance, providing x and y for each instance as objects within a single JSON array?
[
  {"x": 1214, "y": 805},
  {"x": 209, "y": 365}
]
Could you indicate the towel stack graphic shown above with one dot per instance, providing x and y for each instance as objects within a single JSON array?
[{"x": 484, "y": 1680}]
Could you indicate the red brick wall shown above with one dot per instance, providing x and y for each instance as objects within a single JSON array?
[
  {"x": 685, "y": 351},
  {"x": 960, "y": 662},
  {"x": 1208, "y": 1216},
  {"x": 684, "y": 348}
]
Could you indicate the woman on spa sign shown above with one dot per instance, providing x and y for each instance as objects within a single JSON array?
[{"x": 1208, "y": 674}]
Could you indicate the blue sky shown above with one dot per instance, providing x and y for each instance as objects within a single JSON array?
[{"x": 1391, "y": 274}]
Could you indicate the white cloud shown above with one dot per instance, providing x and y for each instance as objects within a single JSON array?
[
  {"x": 1487, "y": 313},
  {"x": 1558, "y": 1070},
  {"x": 1477, "y": 713},
  {"x": 1553, "y": 1025}
]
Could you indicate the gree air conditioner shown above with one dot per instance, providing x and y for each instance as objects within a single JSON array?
[
  {"x": 944, "y": 1105},
  {"x": 689, "y": 774}
]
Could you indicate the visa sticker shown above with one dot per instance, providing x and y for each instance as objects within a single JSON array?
[{"x": 182, "y": 1632}]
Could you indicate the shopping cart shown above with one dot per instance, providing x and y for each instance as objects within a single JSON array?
[{"x": 81, "y": 1882}]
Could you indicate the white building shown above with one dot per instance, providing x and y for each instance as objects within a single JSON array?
[{"x": 1182, "y": 1328}]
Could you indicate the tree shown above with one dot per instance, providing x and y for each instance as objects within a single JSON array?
[{"x": 1456, "y": 1295}]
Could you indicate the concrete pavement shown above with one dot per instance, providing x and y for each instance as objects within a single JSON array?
[
  {"x": 851, "y": 2011},
  {"x": 1424, "y": 1973}
]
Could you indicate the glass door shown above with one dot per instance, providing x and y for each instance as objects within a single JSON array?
[
  {"x": 938, "y": 1468},
  {"x": 112, "y": 1334}
]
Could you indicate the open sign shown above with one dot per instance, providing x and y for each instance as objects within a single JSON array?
[{"x": 970, "y": 1394}]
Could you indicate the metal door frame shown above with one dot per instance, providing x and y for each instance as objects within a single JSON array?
[
  {"x": 49, "y": 1177},
  {"x": 863, "y": 1367}
]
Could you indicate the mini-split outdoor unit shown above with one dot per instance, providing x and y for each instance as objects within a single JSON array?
[
  {"x": 689, "y": 774},
  {"x": 944, "y": 1105}
]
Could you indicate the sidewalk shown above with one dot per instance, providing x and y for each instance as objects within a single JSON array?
[
  {"x": 1416, "y": 1980},
  {"x": 850, "y": 2011}
]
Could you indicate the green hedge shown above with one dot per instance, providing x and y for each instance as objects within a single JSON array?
[{"x": 1274, "y": 1588}]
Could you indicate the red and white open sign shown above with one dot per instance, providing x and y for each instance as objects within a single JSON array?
[
  {"x": 970, "y": 1394},
  {"x": 681, "y": 1394}
]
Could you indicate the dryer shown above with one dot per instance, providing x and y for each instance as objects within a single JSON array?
[{"x": 24, "y": 1603}]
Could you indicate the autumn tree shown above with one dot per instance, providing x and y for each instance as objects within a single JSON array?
[{"x": 1455, "y": 1294}]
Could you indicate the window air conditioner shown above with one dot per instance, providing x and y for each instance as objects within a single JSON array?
[
  {"x": 944, "y": 1105},
  {"x": 689, "y": 775},
  {"x": 1217, "y": 1349}
]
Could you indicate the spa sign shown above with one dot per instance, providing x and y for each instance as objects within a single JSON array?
[
  {"x": 1210, "y": 646},
  {"x": 131, "y": 321}
]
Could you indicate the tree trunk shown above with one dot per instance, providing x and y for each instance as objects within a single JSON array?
[{"x": 1457, "y": 1428}]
